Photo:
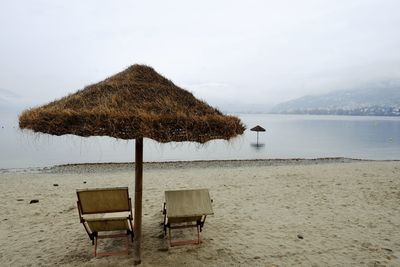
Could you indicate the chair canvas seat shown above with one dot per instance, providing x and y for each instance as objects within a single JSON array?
[{"x": 106, "y": 225}]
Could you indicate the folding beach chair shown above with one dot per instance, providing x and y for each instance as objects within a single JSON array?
[
  {"x": 106, "y": 210},
  {"x": 186, "y": 209}
]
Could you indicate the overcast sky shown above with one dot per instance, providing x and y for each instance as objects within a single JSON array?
[{"x": 245, "y": 52}]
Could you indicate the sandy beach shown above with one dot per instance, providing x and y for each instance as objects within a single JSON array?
[{"x": 326, "y": 212}]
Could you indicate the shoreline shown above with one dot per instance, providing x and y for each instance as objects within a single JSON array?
[{"x": 113, "y": 166}]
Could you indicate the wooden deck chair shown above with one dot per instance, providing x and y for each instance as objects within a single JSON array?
[
  {"x": 186, "y": 209},
  {"x": 106, "y": 210}
]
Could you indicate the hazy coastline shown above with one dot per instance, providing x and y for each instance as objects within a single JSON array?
[
  {"x": 286, "y": 137},
  {"x": 113, "y": 166}
]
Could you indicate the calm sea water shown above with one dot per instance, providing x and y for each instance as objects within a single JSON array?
[{"x": 287, "y": 136}]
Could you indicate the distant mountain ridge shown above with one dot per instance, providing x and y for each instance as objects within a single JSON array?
[
  {"x": 378, "y": 101},
  {"x": 10, "y": 102}
]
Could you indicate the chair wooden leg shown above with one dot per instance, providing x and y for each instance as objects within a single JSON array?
[
  {"x": 184, "y": 242},
  {"x": 198, "y": 235},
  {"x": 95, "y": 246},
  {"x": 111, "y": 253},
  {"x": 169, "y": 235},
  {"x": 127, "y": 245}
]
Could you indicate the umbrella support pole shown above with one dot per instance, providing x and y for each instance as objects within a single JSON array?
[
  {"x": 138, "y": 199},
  {"x": 257, "y": 138}
]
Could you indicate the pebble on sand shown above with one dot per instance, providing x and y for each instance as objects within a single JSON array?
[{"x": 300, "y": 236}]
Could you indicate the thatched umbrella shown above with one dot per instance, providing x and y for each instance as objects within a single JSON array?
[
  {"x": 133, "y": 104},
  {"x": 257, "y": 129}
]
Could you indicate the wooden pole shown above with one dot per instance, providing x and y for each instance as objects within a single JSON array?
[
  {"x": 138, "y": 199},
  {"x": 257, "y": 138}
]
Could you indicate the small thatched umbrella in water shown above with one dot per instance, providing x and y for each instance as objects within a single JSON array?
[
  {"x": 136, "y": 103},
  {"x": 257, "y": 129}
]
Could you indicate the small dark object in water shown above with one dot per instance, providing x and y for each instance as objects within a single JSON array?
[
  {"x": 163, "y": 249},
  {"x": 20, "y": 199},
  {"x": 256, "y": 257},
  {"x": 387, "y": 249},
  {"x": 84, "y": 182},
  {"x": 55, "y": 184},
  {"x": 258, "y": 145},
  {"x": 34, "y": 201},
  {"x": 300, "y": 236}
]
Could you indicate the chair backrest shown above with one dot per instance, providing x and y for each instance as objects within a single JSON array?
[
  {"x": 103, "y": 200},
  {"x": 188, "y": 203}
]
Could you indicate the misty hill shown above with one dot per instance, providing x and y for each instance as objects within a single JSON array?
[
  {"x": 6, "y": 105},
  {"x": 376, "y": 101},
  {"x": 10, "y": 102}
]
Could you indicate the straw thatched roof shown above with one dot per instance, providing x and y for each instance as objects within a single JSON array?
[
  {"x": 137, "y": 102},
  {"x": 257, "y": 128}
]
